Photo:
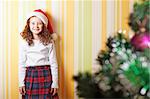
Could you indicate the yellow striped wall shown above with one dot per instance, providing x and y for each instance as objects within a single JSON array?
[{"x": 82, "y": 25}]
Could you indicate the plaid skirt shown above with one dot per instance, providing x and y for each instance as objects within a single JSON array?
[{"x": 38, "y": 82}]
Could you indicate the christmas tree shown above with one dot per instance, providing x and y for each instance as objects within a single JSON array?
[{"x": 125, "y": 63}]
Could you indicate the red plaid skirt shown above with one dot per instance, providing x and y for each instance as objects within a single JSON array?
[{"x": 38, "y": 82}]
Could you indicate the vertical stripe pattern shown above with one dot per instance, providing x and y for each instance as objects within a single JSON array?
[
  {"x": 1, "y": 52},
  {"x": 104, "y": 21},
  {"x": 96, "y": 32},
  {"x": 83, "y": 27},
  {"x": 125, "y": 17},
  {"x": 69, "y": 47},
  {"x": 13, "y": 68},
  {"x": 87, "y": 35}
]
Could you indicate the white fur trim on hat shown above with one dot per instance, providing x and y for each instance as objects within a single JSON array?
[{"x": 40, "y": 16}]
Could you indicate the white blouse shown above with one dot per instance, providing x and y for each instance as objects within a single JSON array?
[{"x": 37, "y": 55}]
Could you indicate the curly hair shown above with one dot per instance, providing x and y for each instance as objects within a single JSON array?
[{"x": 44, "y": 36}]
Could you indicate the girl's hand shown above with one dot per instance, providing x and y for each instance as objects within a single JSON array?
[
  {"x": 53, "y": 91},
  {"x": 22, "y": 90}
]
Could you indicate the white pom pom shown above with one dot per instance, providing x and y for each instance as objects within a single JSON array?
[{"x": 54, "y": 36}]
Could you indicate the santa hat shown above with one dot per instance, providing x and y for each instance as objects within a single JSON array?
[{"x": 43, "y": 16}]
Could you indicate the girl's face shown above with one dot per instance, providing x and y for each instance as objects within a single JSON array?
[{"x": 36, "y": 25}]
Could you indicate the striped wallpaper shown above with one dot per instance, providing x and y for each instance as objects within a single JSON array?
[{"x": 82, "y": 25}]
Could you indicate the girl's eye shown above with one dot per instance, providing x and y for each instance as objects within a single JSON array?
[
  {"x": 40, "y": 23},
  {"x": 32, "y": 23}
]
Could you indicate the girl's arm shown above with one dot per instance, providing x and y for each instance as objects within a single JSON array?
[
  {"x": 54, "y": 66},
  {"x": 22, "y": 62}
]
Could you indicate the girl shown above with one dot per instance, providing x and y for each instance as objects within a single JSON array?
[{"x": 38, "y": 69}]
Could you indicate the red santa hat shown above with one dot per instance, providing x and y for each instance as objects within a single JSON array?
[{"x": 43, "y": 16}]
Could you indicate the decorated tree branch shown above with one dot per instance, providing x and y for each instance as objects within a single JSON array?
[
  {"x": 125, "y": 63},
  {"x": 140, "y": 17}
]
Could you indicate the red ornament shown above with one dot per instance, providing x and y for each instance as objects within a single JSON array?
[{"x": 141, "y": 41}]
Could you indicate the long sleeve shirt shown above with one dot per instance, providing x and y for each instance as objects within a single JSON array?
[{"x": 37, "y": 55}]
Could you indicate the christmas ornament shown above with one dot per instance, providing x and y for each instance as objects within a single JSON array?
[{"x": 141, "y": 41}]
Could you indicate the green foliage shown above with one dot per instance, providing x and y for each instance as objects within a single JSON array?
[
  {"x": 124, "y": 71},
  {"x": 88, "y": 88},
  {"x": 147, "y": 53},
  {"x": 140, "y": 13}
]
